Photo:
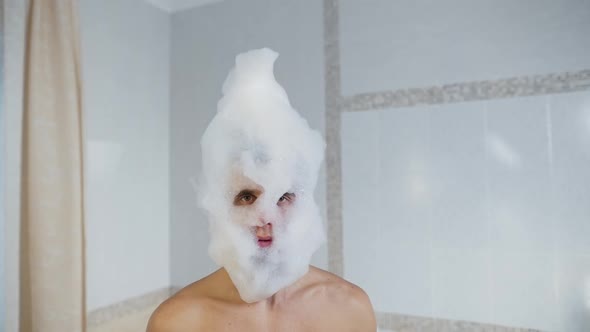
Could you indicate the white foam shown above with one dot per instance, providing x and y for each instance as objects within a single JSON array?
[{"x": 257, "y": 139}]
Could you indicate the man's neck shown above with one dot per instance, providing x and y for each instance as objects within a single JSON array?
[{"x": 277, "y": 298}]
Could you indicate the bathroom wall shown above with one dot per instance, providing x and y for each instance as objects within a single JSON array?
[
  {"x": 388, "y": 45},
  {"x": 2, "y": 173},
  {"x": 205, "y": 41},
  {"x": 13, "y": 33},
  {"x": 125, "y": 56},
  {"x": 471, "y": 210}
]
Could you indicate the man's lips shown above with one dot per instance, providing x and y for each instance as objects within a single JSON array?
[{"x": 264, "y": 242}]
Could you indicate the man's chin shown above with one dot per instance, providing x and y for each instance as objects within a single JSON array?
[
  {"x": 259, "y": 272},
  {"x": 260, "y": 284}
]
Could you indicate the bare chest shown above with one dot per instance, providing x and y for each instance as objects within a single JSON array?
[{"x": 296, "y": 319}]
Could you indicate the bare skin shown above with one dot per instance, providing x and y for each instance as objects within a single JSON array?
[{"x": 319, "y": 301}]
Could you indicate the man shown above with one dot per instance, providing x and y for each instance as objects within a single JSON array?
[{"x": 260, "y": 167}]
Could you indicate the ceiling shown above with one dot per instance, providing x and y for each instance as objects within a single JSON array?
[{"x": 178, "y": 5}]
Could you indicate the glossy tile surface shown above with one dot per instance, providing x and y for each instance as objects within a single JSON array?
[{"x": 472, "y": 211}]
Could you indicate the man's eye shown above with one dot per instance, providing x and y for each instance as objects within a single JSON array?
[
  {"x": 247, "y": 198},
  {"x": 287, "y": 197},
  {"x": 244, "y": 198}
]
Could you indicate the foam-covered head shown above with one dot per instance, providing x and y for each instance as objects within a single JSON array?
[{"x": 260, "y": 166}]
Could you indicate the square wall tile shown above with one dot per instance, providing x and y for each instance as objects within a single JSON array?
[
  {"x": 405, "y": 279},
  {"x": 574, "y": 291},
  {"x": 361, "y": 213},
  {"x": 524, "y": 290},
  {"x": 405, "y": 182},
  {"x": 570, "y": 123},
  {"x": 520, "y": 199},
  {"x": 457, "y": 160},
  {"x": 462, "y": 285}
]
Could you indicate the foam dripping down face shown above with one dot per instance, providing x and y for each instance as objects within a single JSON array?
[{"x": 260, "y": 167}]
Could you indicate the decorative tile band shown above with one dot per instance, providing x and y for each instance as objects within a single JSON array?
[
  {"x": 121, "y": 309},
  {"x": 404, "y": 323},
  {"x": 333, "y": 163},
  {"x": 471, "y": 91}
]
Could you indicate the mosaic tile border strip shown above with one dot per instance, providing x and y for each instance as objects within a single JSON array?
[
  {"x": 471, "y": 91},
  {"x": 124, "y": 308},
  {"x": 332, "y": 122},
  {"x": 405, "y": 323},
  {"x": 336, "y": 104}
]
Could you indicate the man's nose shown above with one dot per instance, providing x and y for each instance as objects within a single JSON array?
[
  {"x": 264, "y": 219},
  {"x": 264, "y": 231}
]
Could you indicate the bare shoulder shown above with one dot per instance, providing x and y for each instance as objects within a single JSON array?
[
  {"x": 189, "y": 307},
  {"x": 335, "y": 287},
  {"x": 343, "y": 297},
  {"x": 174, "y": 314}
]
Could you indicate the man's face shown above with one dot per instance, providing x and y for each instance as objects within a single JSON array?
[
  {"x": 263, "y": 232},
  {"x": 258, "y": 209}
]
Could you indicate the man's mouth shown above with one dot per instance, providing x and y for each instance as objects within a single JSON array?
[{"x": 264, "y": 242}]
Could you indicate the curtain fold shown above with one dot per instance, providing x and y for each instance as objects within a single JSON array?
[{"x": 52, "y": 277}]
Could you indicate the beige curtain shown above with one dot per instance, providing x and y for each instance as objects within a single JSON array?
[{"x": 52, "y": 225}]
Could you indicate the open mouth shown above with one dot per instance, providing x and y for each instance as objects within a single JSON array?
[{"x": 264, "y": 242}]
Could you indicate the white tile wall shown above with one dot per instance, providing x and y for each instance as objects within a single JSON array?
[
  {"x": 476, "y": 211},
  {"x": 365, "y": 226},
  {"x": 573, "y": 275},
  {"x": 368, "y": 209},
  {"x": 405, "y": 177},
  {"x": 405, "y": 279},
  {"x": 457, "y": 156},
  {"x": 570, "y": 118},
  {"x": 521, "y": 213},
  {"x": 462, "y": 284},
  {"x": 524, "y": 290}
]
